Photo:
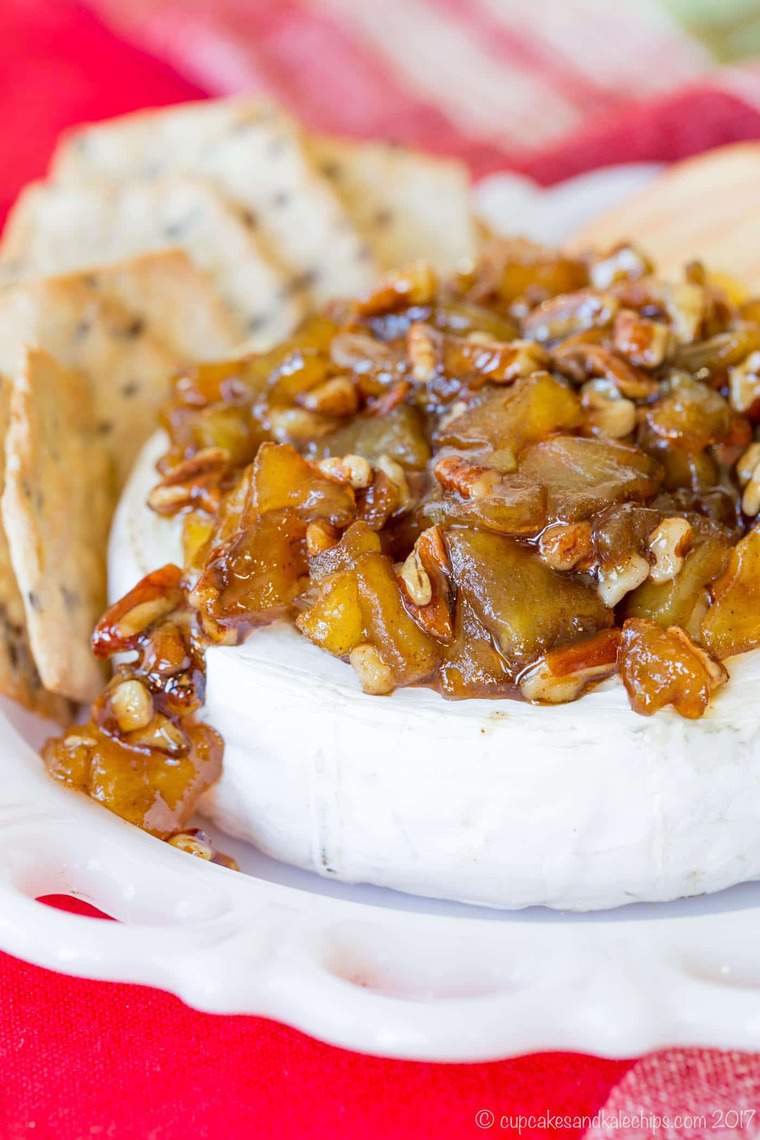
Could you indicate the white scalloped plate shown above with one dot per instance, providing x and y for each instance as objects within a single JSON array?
[{"x": 358, "y": 966}]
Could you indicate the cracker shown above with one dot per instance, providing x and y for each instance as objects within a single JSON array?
[
  {"x": 408, "y": 206},
  {"x": 255, "y": 152},
  {"x": 56, "y": 510},
  {"x": 59, "y": 228},
  {"x": 175, "y": 302},
  {"x": 19, "y": 678},
  {"x": 128, "y": 370}
]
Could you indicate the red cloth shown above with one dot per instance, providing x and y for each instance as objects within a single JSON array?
[
  {"x": 82, "y": 1059},
  {"x": 85, "y": 1059}
]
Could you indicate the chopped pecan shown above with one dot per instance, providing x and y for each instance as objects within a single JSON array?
[
  {"x": 415, "y": 285},
  {"x": 374, "y": 674},
  {"x": 744, "y": 382},
  {"x": 564, "y": 545},
  {"x": 748, "y": 473},
  {"x": 153, "y": 598},
  {"x": 320, "y": 535},
  {"x": 669, "y": 543},
  {"x": 623, "y": 263},
  {"x": 584, "y": 361},
  {"x": 643, "y": 342},
  {"x": 132, "y": 705},
  {"x": 351, "y": 469},
  {"x": 568, "y": 313},
  {"x": 423, "y": 345},
  {"x": 615, "y": 581},
  {"x": 193, "y": 482},
  {"x": 424, "y": 580},
  {"x": 563, "y": 674},
  {"x": 396, "y": 474},
  {"x": 196, "y": 842},
  {"x": 335, "y": 397},
  {"x": 467, "y": 478},
  {"x": 469, "y": 361},
  {"x": 416, "y": 580},
  {"x": 608, "y": 414}
]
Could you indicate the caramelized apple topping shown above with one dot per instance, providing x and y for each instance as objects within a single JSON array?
[
  {"x": 142, "y": 753},
  {"x": 484, "y": 485}
]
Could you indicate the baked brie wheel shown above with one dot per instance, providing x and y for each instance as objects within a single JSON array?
[
  {"x": 504, "y": 803},
  {"x": 464, "y": 579}
]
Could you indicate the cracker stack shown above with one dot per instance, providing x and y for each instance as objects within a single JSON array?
[{"x": 161, "y": 239}]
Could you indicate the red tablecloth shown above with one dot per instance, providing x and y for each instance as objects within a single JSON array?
[{"x": 84, "y": 1059}]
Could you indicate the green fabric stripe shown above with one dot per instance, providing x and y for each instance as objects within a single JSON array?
[{"x": 729, "y": 29}]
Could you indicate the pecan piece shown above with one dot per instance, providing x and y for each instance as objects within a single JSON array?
[
  {"x": 585, "y": 361},
  {"x": 154, "y": 597},
  {"x": 351, "y": 469},
  {"x": 374, "y": 674},
  {"x": 424, "y": 580},
  {"x": 563, "y": 674},
  {"x": 564, "y": 545},
  {"x": 748, "y": 473},
  {"x": 415, "y": 285},
  {"x": 608, "y": 414},
  {"x": 669, "y": 543},
  {"x": 569, "y": 313},
  {"x": 193, "y": 482},
  {"x": 467, "y": 478},
  {"x": 643, "y": 342},
  {"x": 335, "y": 397}
]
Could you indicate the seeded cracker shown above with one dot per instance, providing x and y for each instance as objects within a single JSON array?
[
  {"x": 255, "y": 153},
  {"x": 127, "y": 369},
  {"x": 19, "y": 678},
  {"x": 59, "y": 228},
  {"x": 56, "y": 511},
  {"x": 407, "y": 206},
  {"x": 175, "y": 303}
]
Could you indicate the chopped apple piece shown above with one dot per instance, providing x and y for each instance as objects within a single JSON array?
[
  {"x": 406, "y": 650},
  {"x": 532, "y": 409},
  {"x": 691, "y": 416},
  {"x": 301, "y": 370},
  {"x": 732, "y": 623},
  {"x": 526, "y": 606},
  {"x": 137, "y": 783},
  {"x": 663, "y": 667},
  {"x": 678, "y": 601},
  {"x": 399, "y": 434},
  {"x": 358, "y": 540},
  {"x": 515, "y": 268},
  {"x": 584, "y": 475},
  {"x": 254, "y": 577},
  {"x": 284, "y": 479},
  {"x": 471, "y": 666},
  {"x": 334, "y": 621}
]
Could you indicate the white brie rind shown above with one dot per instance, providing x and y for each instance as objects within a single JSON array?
[{"x": 501, "y": 803}]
